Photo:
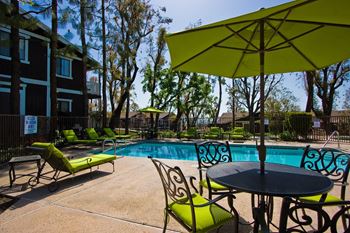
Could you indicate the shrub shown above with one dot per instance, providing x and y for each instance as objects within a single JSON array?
[
  {"x": 287, "y": 136},
  {"x": 298, "y": 123}
]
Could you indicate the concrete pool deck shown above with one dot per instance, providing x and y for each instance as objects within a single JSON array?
[{"x": 129, "y": 200}]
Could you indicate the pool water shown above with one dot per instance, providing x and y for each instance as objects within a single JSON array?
[{"x": 186, "y": 151}]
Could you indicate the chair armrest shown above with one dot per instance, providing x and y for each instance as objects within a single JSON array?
[{"x": 202, "y": 168}]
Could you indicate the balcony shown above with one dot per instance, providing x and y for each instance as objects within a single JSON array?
[{"x": 93, "y": 89}]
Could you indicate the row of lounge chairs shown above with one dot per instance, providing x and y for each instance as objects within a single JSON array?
[
  {"x": 93, "y": 137},
  {"x": 237, "y": 133}
]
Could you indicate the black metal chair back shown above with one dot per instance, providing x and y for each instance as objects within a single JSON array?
[
  {"x": 291, "y": 221},
  {"x": 210, "y": 153},
  {"x": 175, "y": 187},
  {"x": 331, "y": 163}
]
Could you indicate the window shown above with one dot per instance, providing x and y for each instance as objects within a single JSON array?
[
  {"x": 5, "y": 52},
  {"x": 4, "y": 44},
  {"x": 64, "y": 105},
  {"x": 64, "y": 67}
]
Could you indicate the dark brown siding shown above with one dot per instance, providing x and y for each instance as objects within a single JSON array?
[
  {"x": 36, "y": 100},
  {"x": 4, "y": 103},
  {"x": 37, "y": 56},
  {"x": 76, "y": 82},
  {"x": 77, "y": 107}
]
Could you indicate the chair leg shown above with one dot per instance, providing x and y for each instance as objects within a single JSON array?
[
  {"x": 233, "y": 209},
  {"x": 166, "y": 216}
]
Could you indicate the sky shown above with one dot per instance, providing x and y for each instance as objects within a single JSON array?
[{"x": 187, "y": 12}]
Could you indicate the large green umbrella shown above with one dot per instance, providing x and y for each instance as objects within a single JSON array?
[
  {"x": 296, "y": 36},
  {"x": 151, "y": 110}
]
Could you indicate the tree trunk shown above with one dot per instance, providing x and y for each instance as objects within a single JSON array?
[
  {"x": 251, "y": 122},
  {"x": 104, "y": 67},
  {"x": 53, "y": 78},
  {"x": 85, "y": 58},
  {"x": 15, "y": 62},
  {"x": 127, "y": 110},
  {"x": 310, "y": 90},
  {"x": 215, "y": 120},
  {"x": 233, "y": 105}
]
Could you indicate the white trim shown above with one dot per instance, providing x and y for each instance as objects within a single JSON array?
[
  {"x": 9, "y": 84},
  {"x": 5, "y": 90},
  {"x": 66, "y": 100},
  {"x": 25, "y": 33},
  {"x": 70, "y": 67},
  {"x": 69, "y": 91},
  {"x": 27, "y": 80}
]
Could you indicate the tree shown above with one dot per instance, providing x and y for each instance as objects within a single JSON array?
[
  {"x": 309, "y": 86},
  {"x": 104, "y": 65},
  {"x": 248, "y": 93},
  {"x": 134, "y": 20},
  {"x": 346, "y": 104},
  {"x": 327, "y": 81},
  {"x": 53, "y": 54},
  {"x": 281, "y": 100},
  {"x": 221, "y": 82}
]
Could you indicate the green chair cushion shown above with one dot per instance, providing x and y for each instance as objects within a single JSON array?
[
  {"x": 213, "y": 185},
  {"x": 87, "y": 162},
  {"x": 211, "y": 136},
  {"x": 122, "y": 136},
  {"x": 70, "y": 135},
  {"x": 92, "y": 134},
  {"x": 207, "y": 218},
  {"x": 109, "y": 132},
  {"x": 316, "y": 198}
]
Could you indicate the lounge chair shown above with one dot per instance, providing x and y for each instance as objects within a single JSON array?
[
  {"x": 214, "y": 133},
  {"x": 61, "y": 163},
  {"x": 109, "y": 132},
  {"x": 93, "y": 135},
  {"x": 190, "y": 209},
  {"x": 236, "y": 134},
  {"x": 72, "y": 138},
  {"x": 190, "y": 133}
]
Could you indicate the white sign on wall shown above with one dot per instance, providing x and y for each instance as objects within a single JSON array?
[
  {"x": 30, "y": 124},
  {"x": 317, "y": 124}
]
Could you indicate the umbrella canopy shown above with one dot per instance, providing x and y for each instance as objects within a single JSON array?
[
  {"x": 151, "y": 110},
  {"x": 297, "y": 36}
]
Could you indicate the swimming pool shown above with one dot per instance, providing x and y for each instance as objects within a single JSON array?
[{"x": 187, "y": 151}]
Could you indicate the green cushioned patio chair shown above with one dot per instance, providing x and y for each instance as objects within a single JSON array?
[
  {"x": 72, "y": 138},
  {"x": 190, "y": 133},
  {"x": 237, "y": 134},
  {"x": 332, "y": 163},
  {"x": 190, "y": 209},
  {"x": 109, "y": 132},
  {"x": 214, "y": 133},
  {"x": 60, "y": 163},
  {"x": 299, "y": 216},
  {"x": 92, "y": 134}
]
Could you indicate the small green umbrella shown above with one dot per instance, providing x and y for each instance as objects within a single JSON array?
[
  {"x": 297, "y": 36},
  {"x": 151, "y": 110}
]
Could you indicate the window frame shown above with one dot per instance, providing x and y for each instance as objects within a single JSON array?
[
  {"x": 24, "y": 38},
  {"x": 70, "y": 68},
  {"x": 70, "y": 101}
]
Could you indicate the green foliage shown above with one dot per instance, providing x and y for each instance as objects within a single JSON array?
[
  {"x": 298, "y": 123},
  {"x": 287, "y": 136},
  {"x": 168, "y": 134}
]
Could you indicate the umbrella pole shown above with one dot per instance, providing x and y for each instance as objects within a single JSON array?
[{"x": 262, "y": 147}]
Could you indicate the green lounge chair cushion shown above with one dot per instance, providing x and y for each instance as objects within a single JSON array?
[
  {"x": 213, "y": 185},
  {"x": 109, "y": 132},
  {"x": 316, "y": 198},
  {"x": 71, "y": 137},
  {"x": 87, "y": 162},
  {"x": 207, "y": 218}
]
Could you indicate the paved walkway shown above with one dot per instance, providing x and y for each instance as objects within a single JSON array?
[{"x": 129, "y": 200}]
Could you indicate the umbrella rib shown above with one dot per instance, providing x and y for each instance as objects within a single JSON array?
[
  {"x": 313, "y": 22},
  {"x": 233, "y": 48},
  {"x": 213, "y": 45},
  {"x": 279, "y": 26},
  {"x": 293, "y": 38},
  {"x": 294, "y": 47},
  {"x": 249, "y": 42},
  {"x": 243, "y": 54}
]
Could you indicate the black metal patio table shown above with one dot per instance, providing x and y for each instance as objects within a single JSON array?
[{"x": 279, "y": 180}]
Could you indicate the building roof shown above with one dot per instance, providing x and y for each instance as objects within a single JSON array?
[{"x": 226, "y": 117}]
